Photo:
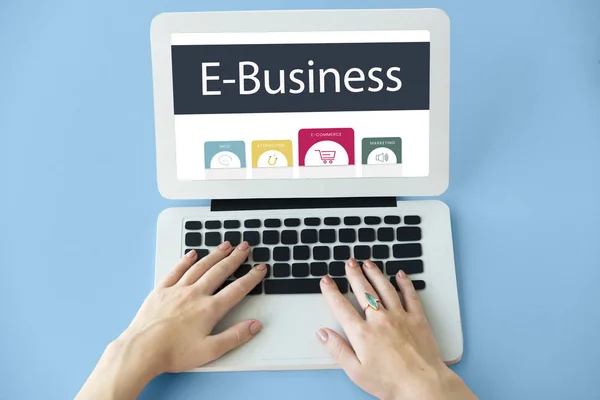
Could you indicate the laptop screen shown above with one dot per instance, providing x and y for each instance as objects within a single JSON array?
[{"x": 298, "y": 105}]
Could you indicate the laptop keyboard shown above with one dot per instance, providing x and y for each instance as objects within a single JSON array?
[{"x": 300, "y": 251}]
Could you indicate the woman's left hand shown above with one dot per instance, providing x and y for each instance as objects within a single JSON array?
[{"x": 172, "y": 330}]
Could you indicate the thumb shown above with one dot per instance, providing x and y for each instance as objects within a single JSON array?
[
  {"x": 339, "y": 349},
  {"x": 234, "y": 336}
]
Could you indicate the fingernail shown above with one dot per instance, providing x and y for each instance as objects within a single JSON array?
[
  {"x": 261, "y": 267},
  {"x": 255, "y": 327},
  {"x": 352, "y": 263},
  {"x": 191, "y": 254},
  {"x": 401, "y": 274},
  {"x": 322, "y": 335},
  {"x": 224, "y": 245},
  {"x": 243, "y": 246},
  {"x": 327, "y": 279},
  {"x": 369, "y": 264}
]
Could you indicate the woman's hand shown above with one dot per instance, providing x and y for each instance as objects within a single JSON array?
[
  {"x": 392, "y": 352},
  {"x": 172, "y": 330}
]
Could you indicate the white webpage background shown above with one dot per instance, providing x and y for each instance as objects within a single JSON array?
[{"x": 192, "y": 131}]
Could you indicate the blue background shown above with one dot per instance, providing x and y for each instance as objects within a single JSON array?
[{"x": 79, "y": 200}]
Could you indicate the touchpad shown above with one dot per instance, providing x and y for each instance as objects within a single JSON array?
[{"x": 291, "y": 323}]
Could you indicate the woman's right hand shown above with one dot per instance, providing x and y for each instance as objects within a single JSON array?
[{"x": 392, "y": 352}]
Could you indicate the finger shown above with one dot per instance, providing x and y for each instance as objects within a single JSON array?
[
  {"x": 342, "y": 309},
  {"x": 233, "y": 337},
  {"x": 199, "y": 269},
  {"x": 238, "y": 289},
  {"x": 360, "y": 284},
  {"x": 386, "y": 291},
  {"x": 177, "y": 272},
  {"x": 340, "y": 350},
  {"x": 409, "y": 294},
  {"x": 216, "y": 275}
]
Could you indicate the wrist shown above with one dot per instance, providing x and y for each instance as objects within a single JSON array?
[
  {"x": 453, "y": 387},
  {"x": 131, "y": 366},
  {"x": 133, "y": 356},
  {"x": 442, "y": 384},
  {"x": 121, "y": 373}
]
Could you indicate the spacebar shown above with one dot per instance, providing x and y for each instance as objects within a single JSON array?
[{"x": 299, "y": 286}]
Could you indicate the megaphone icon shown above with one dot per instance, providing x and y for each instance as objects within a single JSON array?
[{"x": 381, "y": 157}]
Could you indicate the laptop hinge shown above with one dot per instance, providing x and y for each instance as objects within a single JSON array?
[{"x": 302, "y": 203}]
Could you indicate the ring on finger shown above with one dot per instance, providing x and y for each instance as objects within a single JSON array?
[{"x": 372, "y": 302}]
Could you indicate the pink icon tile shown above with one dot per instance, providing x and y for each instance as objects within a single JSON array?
[{"x": 326, "y": 146}]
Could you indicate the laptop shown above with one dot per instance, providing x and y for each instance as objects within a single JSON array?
[{"x": 304, "y": 128}]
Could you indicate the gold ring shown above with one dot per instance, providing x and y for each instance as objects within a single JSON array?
[{"x": 372, "y": 302}]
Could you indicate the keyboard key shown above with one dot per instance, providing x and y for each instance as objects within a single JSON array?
[
  {"x": 412, "y": 250},
  {"x": 242, "y": 270},
  {"x": 252, "y": 223},
  {"x": 308, "y": 236},
  {"x": 408, "y": 233},
  {"x": 252, "y": 237},
  {"x": 193, "y": 239},
  {"x": 332, "y": 221},
  {"x": 234, "y": 238},
  {"x": 327, "y": 235},
  {"x": 408, "y": 266},
  {"x": 301, "y": 252},
  {"x": 352, "y": 220},
  {"x": 281, "y": 270},
  {"x": 419, "y": 285},
  {"x": 412, "y": 220},
  {"x": 318, "y": 269},
  {"x": 321, "y": 253},
  {"x": 258, "y": 289},
  {"x": 385, "y": 234},
  {"x": 372, "y": 220},
  {"x": 231, "y": 224},
  {"x": 268, "y": 273},
  {"x": 201, "y": 253},
  {"x": 381, "y": 251},
  {"x": 300, "y": 270},
  {"x": 261, "y": 254},
  {"x": 391, "y": 219},
  {"x": 272, "y": 223},
  {"x": 379, "y": 264},
  {"x": 270, "y": 237},
  {"x": 347, "y": 235},
  {"x": 291, "y": 222},
  {"x": 341, "y": 253},
  {"x": 366, "y": 235},
  {"x": 312, "y": 221},
  {"x": 281, "y": 254},
  {"x": 193, "y": 225},
  {"x": 362, "y": 252},
  {"x": 289, "y": 237},
  {"x": 213, "y": 238},
  {"x": 213, "y": 224},
  {"x": 337, "y": 268},
  {"x": 298, "y": 286}
]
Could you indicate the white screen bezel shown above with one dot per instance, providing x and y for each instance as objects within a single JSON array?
[{"x": 433, "y": 20}]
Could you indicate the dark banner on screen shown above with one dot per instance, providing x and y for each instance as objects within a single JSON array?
[{"x": 270, "y": 78}]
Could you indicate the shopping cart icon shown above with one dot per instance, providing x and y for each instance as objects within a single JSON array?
[{"x": 327, "y": 156}]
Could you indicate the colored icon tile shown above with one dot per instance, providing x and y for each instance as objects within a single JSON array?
[
  {"x": 382, "y": 150},
  {"x": 230, "y": 154},
  {"x": 272, "y": 153},
  {"x": 327, "y": 146}
]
